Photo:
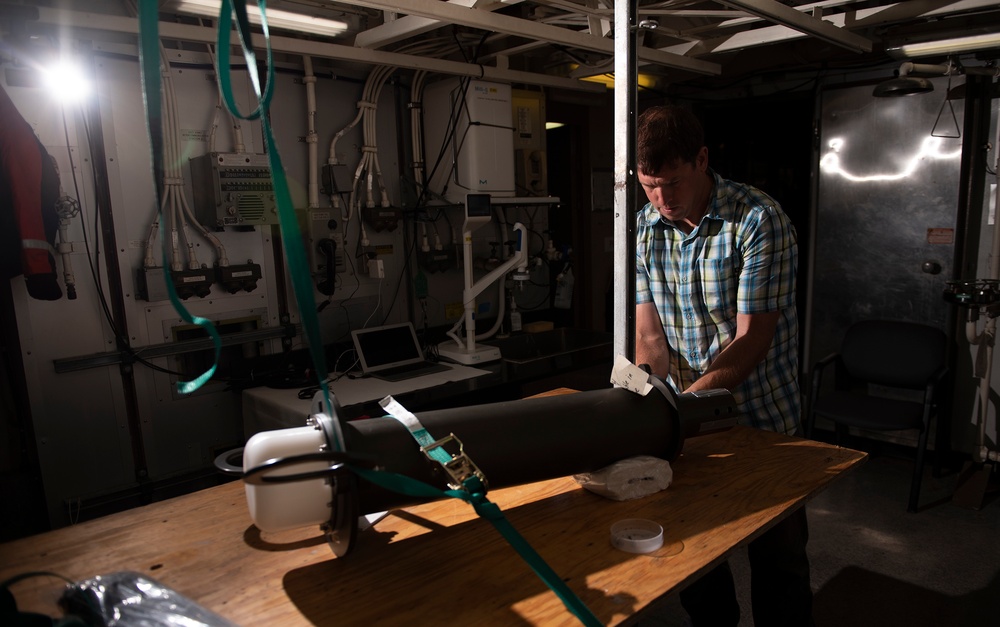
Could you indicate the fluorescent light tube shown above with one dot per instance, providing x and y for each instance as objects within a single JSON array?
[
  {"x": 276, "y": 18},
  {"x": 956, "y": 45}
]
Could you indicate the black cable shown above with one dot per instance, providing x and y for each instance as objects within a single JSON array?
[
  {"x": 403, "y": 273},
  {"x": 542, "y": 304}
]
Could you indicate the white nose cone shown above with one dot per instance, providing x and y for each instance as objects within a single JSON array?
[{"x": 278, "y": 506}]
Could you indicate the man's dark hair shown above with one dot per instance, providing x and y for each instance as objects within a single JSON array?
[{"x": 667, "y": 135}]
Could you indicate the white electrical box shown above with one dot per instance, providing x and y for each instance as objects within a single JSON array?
[
  {"x": 323, "y": 232},
  {"x": 469, "y": 138}
]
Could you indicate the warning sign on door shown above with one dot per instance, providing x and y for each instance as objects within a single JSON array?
[{"x": 940, "y": 236}]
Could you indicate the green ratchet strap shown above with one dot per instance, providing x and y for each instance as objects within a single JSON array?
[
  {"x": 149, "y": 51},
  {"x": 469, "y": 484},
  {"x": 291, "y": 235}
]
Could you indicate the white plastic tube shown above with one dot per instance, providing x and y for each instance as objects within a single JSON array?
[{"x": 310, "y": 82}]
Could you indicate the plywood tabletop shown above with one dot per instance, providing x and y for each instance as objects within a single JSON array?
[{"x": 438, "y": 563}]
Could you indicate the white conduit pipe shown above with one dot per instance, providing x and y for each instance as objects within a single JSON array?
[
  {"x": 416, "y": 104},
  {"x": 175, "y": 264},
  {"x": 907, "y": 68},
  {"x": 501, "y": 288},
  {"x": 310, "y": 82},
  {"x": 174, "y": 202},
  {"x": 66, "y": 211},
  {"x": 148, "y": 260},
  {"x": 339, "y": 134},
  {"x": 220, "y": 250}
]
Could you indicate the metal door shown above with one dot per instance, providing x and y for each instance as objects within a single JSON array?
[{"x": 888, "y": 187}]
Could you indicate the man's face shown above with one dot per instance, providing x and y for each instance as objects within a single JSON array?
[{"x": 678, "y": 190}]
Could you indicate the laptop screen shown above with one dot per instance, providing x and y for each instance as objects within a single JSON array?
[{"x": 385, "y": 347}]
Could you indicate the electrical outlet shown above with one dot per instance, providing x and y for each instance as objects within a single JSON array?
[
  {"x": 323, "y": 238},
  {"x": 376, "y": 269}
]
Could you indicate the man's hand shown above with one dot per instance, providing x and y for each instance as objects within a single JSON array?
[{"x": 650, "y": 343}]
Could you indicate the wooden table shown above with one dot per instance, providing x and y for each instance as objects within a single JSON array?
[{"x": 438, "y": 563}]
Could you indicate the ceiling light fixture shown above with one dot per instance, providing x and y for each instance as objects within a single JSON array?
[
  {"x": 909, "y": 79},
  {"x": 276, "y": 18},
  {"x": 906, "y": 85},
  {"x": 608, "y": 78},
  {"x": 956, "y": 45}
]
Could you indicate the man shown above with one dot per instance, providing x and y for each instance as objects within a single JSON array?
[{"x": 715, "y": 308}]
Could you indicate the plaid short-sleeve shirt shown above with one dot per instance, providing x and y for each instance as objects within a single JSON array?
[{"x": 741, "y": 258}]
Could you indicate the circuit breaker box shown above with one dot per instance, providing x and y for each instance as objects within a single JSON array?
[{"x": 530, "y": 171}]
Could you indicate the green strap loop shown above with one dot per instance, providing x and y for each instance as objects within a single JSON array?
[
  {"x": 491, "y": 512},
  {"x": 149, "y": 37},
  {"x": 291, "y": 235},
  {"x": 225, "y": 72}
]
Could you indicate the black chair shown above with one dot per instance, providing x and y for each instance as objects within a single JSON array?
[{"x": 891, "y": 354}]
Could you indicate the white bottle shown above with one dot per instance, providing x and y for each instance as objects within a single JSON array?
[{"x": 564, "y": 290}]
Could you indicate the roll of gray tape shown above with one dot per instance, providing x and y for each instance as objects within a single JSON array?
[{"x": 636, "y": 535}]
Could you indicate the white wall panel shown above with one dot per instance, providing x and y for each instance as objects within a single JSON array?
[{"x": 80, "y": 417}]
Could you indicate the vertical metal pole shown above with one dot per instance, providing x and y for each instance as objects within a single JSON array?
[
  {"x": 972, "y": 193},
  {"x": 626, "y": 24},
  {"x": 119, "y": 318}
]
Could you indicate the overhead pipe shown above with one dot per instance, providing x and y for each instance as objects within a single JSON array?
[{"x": 309, "y": 79}]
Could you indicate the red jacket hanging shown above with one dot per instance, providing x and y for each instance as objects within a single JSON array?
[{"x": 29, "y": 189}]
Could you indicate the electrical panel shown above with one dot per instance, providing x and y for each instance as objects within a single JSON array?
[
  {"x": 532, "y": 176},
  {"x": 323, "y": 231},
  {"x": 233, "y": 189},
  {"x": 529, "y": 143},
  {"x": 468, "y": 131}
]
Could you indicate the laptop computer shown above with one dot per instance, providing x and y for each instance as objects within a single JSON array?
[{"x": 393, "y": 353}]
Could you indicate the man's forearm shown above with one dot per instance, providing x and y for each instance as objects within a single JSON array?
[
  {"x": 655, "y": 353},
  {"x": 737, "y": 360},
  {"x": 730, "y": 369}
]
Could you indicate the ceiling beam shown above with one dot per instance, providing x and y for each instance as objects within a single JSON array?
[
  {"x": 911, "y": 9},
  {"x": 787, "y": 16},
  {"x": 600, "y": 26},
  {"x": 506, "y": 24},
  {"x": 773, "y": 34},
  {"x": 412, "y": 25},
  {"x": 101, "y": 22}
]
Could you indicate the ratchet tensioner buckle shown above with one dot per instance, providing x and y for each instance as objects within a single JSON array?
[{"x": 459, "y": 467}]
